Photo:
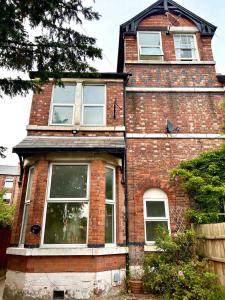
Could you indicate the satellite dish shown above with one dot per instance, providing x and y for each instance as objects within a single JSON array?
[{"x": 169, "y": 127}]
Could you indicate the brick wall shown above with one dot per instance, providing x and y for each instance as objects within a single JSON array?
[
  {"x": 13, "y": 190},
  {"x": 191, "y": 112},
  {"x": 51, "y": 264}
]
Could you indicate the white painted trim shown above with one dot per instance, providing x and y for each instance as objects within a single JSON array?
[
  {"x": 78, "y": 128},
  {"x": 139, "y": 46},
  {"x": 183, "y": 29},
  {"x": 151, "y": 248},
  {"x": 169, "y": 62},
  {"x": 43, "y": 251},
  {"x": 196, "y": 52},
  {"x": 176, "y": 89},
  {"x": 175, "y": 136},
  {"x": 85, "y": 138}
]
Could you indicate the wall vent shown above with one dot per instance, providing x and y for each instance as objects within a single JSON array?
[{"x": 58, "y": 294}]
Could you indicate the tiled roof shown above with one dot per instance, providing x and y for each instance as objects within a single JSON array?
[
  {"x": 9, "y": 170},
  {"x": 34, "y": 144}
]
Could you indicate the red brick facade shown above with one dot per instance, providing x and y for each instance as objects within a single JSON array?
[{"x": 192, "y": 102}]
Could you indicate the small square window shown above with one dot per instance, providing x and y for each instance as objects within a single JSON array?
[{"x": 8, "y": 182}]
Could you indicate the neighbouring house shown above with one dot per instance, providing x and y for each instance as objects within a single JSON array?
[
  {"x": 9, "y": 177},
  {"x": 95, "y": 163}
]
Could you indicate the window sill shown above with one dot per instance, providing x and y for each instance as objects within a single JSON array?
[
  {"x": 169, "y": 62},
  {"x": 75, "y": 128},
  {"x": 151, "y": 248},
  {"x": 67, "y": 251}
]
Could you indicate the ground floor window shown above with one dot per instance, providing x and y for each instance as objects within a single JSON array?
[
  {"x": 110, "y": 206},
  {"x": 67, "y": 202},
  {"x": 156, "y": 212}
]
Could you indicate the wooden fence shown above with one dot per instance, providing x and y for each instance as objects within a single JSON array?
[
  {"x": 212, "y": 237},
  {"x": 5, "y": 235}
]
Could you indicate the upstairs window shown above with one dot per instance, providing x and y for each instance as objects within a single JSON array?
[
  {"x": 63, "y": 104},
  {"x": 8, "y": 182},
  {"x": 185, "y": 47},
  {"x": 93, "y": 104},
  {"x": 78, "y": 104},
  {"x": 150, "y": 46}
]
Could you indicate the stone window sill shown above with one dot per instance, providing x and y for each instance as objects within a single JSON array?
[{"x": 67, "y": 251}]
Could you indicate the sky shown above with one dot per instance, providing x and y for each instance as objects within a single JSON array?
[{"x": 14, "y": 113}]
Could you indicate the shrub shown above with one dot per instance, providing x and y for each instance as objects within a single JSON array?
[
  {"x": 6, "y": 212},
  {"x": 177, "y": 272}
]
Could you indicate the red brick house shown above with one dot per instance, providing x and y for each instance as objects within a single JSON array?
[
  {"x": 95, "y": 163},
  {"x": 9, "y": 176}
]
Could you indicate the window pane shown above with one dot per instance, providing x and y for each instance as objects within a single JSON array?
[
  {"x": 9, "y": 182},
  {"x": 69, "y": 181},
  {"x": 66, "y": 223},
  {"x": 109, "y": 223},
  {"x": 186, "y": 53},
  {"x": 152, "y": 39},
  {"x": 29, "y": 183},
  {"x": 94, "y": 94},
  {"x": 155, "y": 209},
  {"x": 64, "y": 94},
  {"x": 24, "y": 224},
  {"x": 151, "y": 229},
  {"x": 62, "y": 115},
  {"x": 150, "y": 51},
  {"x": 109, "y": 184},
  {"x": 93, "y": 115}
]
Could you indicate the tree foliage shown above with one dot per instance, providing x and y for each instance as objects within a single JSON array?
[
  {"x": 58, "y": 47},
  {"x": 6, "y": 212},
  {"x": 204, "y": 179}
]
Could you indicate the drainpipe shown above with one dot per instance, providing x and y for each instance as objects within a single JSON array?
[{"x": 126, "y": 182}]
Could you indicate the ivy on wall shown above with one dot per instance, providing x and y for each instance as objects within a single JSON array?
[{"x": 204, "y": 179}]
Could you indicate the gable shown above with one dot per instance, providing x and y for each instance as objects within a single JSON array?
[{"x": 162, "y": 7}]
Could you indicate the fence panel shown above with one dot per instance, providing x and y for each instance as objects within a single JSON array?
[
  {"x": 212, "y": 237},
  {"x": 5, "y": 235}
]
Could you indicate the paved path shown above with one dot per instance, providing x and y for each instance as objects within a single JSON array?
[{"x": 2, "y": 282}]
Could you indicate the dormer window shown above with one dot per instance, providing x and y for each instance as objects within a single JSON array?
[
  {"x": 150, "y": 45},
  {"x": 185, "y": 47}
]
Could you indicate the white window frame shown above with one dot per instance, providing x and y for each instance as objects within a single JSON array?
[
  {"x": 112, "y": 202},
  {"x": 78, "y": 106},
  {"x": 94, "y": 105},
  {"x": 196, "y": 58},
  {"x": 65, "y": 200},
  {"x": 9, "y": 179},
  {"x": 146, "y": 218},
  {"x": 149, "y": 46},
  {"x": 7, "y": 197},
  {"x": 26, "y": 207},
  {"x": 62, "y": 105}
]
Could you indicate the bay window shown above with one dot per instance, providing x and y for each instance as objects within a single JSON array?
[
  {"x": 156, "y": 213},
  {"x": 150, "y": 45},
  {"x": 26, "y": 206},
  {"x": 110, "y": 206},
  {"x": 185, "y": 46},
  {"x": 78, "y": 104},
  {"x": 67, "y": 205}
]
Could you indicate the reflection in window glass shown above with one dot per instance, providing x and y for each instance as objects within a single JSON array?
[
  {"x": 151, "y": 229},
  {"x": 155, "y": 209},
  {"x": 93, "y": 115},
  {"x": 69, "y": 181},
  {"x": 109, "y": 223},
  {"x": 66, "y": 223},
  {"x": 62, "y": 115},
  {"x": 109, "y": 183}
]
